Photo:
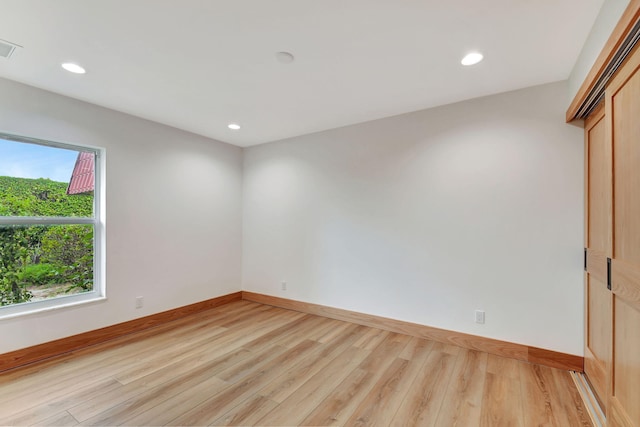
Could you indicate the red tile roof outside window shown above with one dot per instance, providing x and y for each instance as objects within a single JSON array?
[{"x": 83, "y": 177}]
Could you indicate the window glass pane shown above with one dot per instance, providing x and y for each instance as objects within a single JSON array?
[
  {"x": 43, "y": 181},
  {"x": 39, "y": 262}
]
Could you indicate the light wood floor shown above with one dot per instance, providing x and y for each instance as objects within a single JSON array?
[{"x": 251, "y": 364}]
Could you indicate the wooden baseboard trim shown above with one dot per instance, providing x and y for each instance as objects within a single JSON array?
[
  {"x": 63, "y": 346},
  {"x": 501, "y": 348},
  {"x": 555, "y": 359},
  {"x": 40, "y": 352}
]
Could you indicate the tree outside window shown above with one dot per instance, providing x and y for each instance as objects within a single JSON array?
[{"x": 47, "y": 221}]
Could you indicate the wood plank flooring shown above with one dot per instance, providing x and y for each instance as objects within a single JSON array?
[{"x": 251, "y": 364}]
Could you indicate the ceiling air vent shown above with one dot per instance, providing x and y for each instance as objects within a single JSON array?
[{"x": 7, "y": 48}]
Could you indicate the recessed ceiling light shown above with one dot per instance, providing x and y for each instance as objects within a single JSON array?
[
  {"x": 285, "y": 57},
  {"x": 472, "y": 58},
  {"x": 233, "y": 126},
  {"x": 73, "y": 68}
]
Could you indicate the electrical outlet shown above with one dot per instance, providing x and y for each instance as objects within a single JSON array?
[
  {"x": 480, "y": 316},
  {"x": 139, "y": 302},
  {"x": 284, "y": 286}
]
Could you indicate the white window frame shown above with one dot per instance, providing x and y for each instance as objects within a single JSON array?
[{"x": 99, "y": 287}]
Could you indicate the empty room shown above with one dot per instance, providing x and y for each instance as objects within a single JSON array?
[{"x": 296, "y": 212}]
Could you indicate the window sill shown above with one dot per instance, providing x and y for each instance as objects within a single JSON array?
[{"x": 11, "y": 312}]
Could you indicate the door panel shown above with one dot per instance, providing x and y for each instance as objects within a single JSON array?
[
  {"x": 626, "y": 158},
  {"x": 598, "y": 244},
  {"x": 599, "y": 190},
  {"x": 625, "y": 278},
  {"x": 626, "y": 375},
  {"x": 599, "y": 331},
  {"x": 623, "y": 111},
  {"x": 597, "y": 265}
]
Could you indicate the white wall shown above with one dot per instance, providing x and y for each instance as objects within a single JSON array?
[
  {"x": 427, "y": 216},
  {"x": 173, "y": 212},
  {"x": 606, "y": 21},
  {"x": 423, "y": 217}
]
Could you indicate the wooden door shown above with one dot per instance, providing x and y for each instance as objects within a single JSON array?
[
  {"x": 598, "y": 249},
  {"x": 623, "y": 119}
]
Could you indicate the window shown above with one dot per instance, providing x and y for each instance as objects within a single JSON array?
[{"x": 50, "y": 227}]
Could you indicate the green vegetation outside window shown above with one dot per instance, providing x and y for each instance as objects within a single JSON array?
[{"x": 49, "y": 224}]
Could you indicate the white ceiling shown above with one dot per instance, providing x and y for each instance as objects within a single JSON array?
[{"x": 200, "y": 64}]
